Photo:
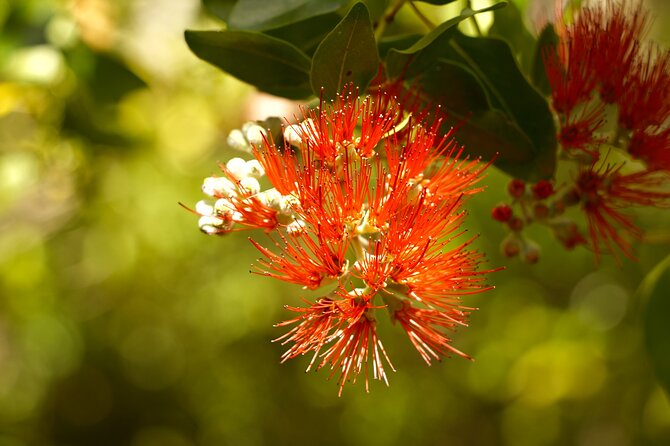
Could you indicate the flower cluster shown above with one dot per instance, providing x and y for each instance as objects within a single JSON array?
[
  {"x": 602, "y": 68},
  {"x": 365, "y": 203}
]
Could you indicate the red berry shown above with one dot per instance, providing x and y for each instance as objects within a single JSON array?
[{"x": 502, "y": 213}]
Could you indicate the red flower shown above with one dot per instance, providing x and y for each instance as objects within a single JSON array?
[
  {"x": 425, "y": 328},
  {"x": 597, "y": 50},
  {"x": 349, "y": 326},
  {"x": 578, "y": 133},
  {"x": 363, "y": 198},
  {"x": 569, "y": 74},
  {"x": 605, "y": 194},
  {"x": 652, "y": 148},
  {"x": 646, "y": 101}
]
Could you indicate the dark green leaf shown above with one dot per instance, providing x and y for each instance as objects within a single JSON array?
[
  {"x": 307, "y": 34},
  {"x": 264, "y": 14},
  {"x": 220, "y": 8},
  {"x": 455, "y": 88},
  {"x": 347, "y": 54},
  {"x": 270, "y": 64},
  {"x": 485, "y": 132},
  {"x": 415, "y": 59},
  {"x": 508, "y": 25},
  {"x": 656, "y": 327},
  {"x": 508, "y": 90},
  {"x": 547, "y": 39}
]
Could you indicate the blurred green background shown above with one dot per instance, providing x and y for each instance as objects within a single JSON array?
[{"x": 122, "y": 324}]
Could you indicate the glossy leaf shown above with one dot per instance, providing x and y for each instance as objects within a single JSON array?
[
  {"x": 509, "y": 25},
  {"x": 485, "y": 132},
  {"x": 307, "y": 34},
  {"x": 400, "y": 42},
  {"x": 422, "y": 54},
  {"x": 656, "y": 327},
  {"x": 509, "y": 91},
  {"x": 547, "y": 39},
  {"x": 220, "y": 8},
  {"x": 263, "y": 14},
  {"x": 347, "y": 54},
  {"x": 270, "y": 64}
]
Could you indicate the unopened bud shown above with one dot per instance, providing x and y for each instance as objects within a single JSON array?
[
  {"x": 542, "y": 189},
  {"x": 567, "y": 232},
  {"x": 224, "y": 206},
  {"x": 218, "y": 187},
  {"x": 292, "y": 135},
  {"x": 502, "y": 213},
  {"x": 250, "y": 185},
  {"x": 530, "y": 252},
  {"x": 296, "y": 227},
  {"x": 270, "y": 198},
  {"x": 515, "y": 224},
  {"x": 511, "y": 246},
  {"x": 204, "y": 208},
  {"x": 254, "y": 169},
  {"x": 540, "y": 211},
  {"x": 516, "y": 188},
  {"x": 237, "y": 167},
  {"x": 237, "y": 141},
  {"x": 214, "y": 225},
  {"x": 288, "y": 204},
  {"x": 254, "y": 133}
]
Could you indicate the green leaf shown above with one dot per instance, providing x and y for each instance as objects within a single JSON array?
[
  {"x": 454, "y": 87},
  {"x": 270, "y": 64},
  {"x": 656, "y": 327},
  {"x": 508, "y": 91},
  {"x": 508, "y": 25},
  {"x": 437, "y": 2},
  {"x": 220, "y": 8},
  {"x": 396, "y": 42},
  {"x": 485, "y": 132},
  {"x": 415, "y": 59},
  {"x": 547, "y": 39},
  {"x": 307, "y": 34},
  {"x": 263, "y": 14},
  {"x": 347, "y": 54}
]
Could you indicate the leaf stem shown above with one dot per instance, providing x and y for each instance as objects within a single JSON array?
[
  {"x": 473, "y": 19},
  {"x": 387, "y": 18},
  {"x": 426, "y": 21}
]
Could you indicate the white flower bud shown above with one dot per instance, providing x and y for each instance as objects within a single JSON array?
[
  {"x": 251, "y": 185},
  {"x": 238, "y": 167},
  {"x": 270, "y": 198},
  {"x": 296, "y": 227},
  {"x": 237, "y": 141},
  {"x": 203, "y": 207},
  {"x": 254, "y": 169},
  {"x": 214, "y": 225},
  {"x": 292, "y": 135},
  {"x": 218, "y": 187},
  {"x": 254, "y": 133},
  {"x": 287, "y": 204},
  {"x": 224, "y": 206}
]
